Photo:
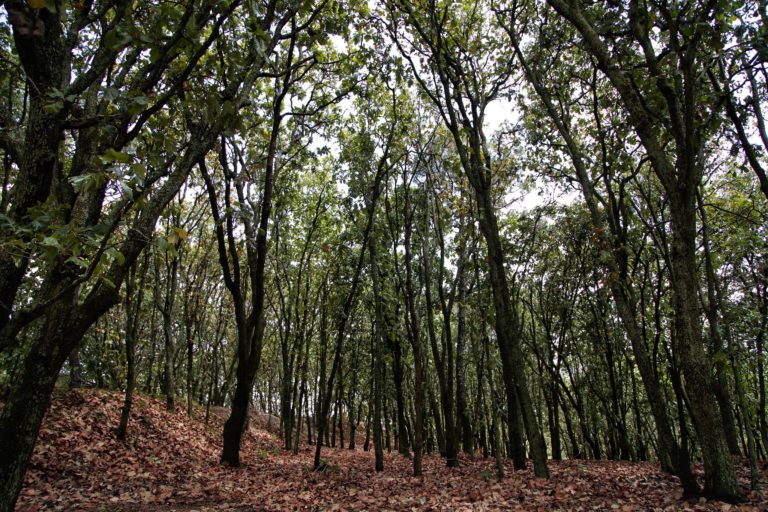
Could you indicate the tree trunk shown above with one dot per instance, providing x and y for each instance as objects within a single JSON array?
[
  {"x": 413, "y": 328},
  {"x": 378, "y": 357},
  {"x": 720, "y": 476},
  {"x": 165, "y": 306},
  {"x": 507, "y": 336},
  {"x": 464, "y": 423},
  {"x": 132, "y": 313},
  {"x": 403, "y": 446},
  {"x": 30, "y": 397},
  {"x": 237, "y": 423}
]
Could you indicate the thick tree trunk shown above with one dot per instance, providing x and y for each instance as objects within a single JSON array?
[
  {"x": 20, "y": 421},
  {"x": 41, "y": 59},
  {"x": 673, "y": 459},
  {"x": 250, "y": 329},
  {"x": 236, "y": 424},
  {"x": 720, "y": 476},
  {"x": 680, "y": 176},
  {"x": 28, "y": 401},
  {"x": 64, "y": 325}
]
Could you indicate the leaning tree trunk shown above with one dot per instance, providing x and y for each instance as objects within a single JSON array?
[
  {"x": 720, "y": 477},
  {"x": 30, "y": 397},
  {"x": 507, "y": 333},
  {"x": 673, "y": 458},
  {"x": 64, "y": 325}
]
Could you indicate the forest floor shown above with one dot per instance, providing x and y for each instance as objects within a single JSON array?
[{"x": 170, "y": 462}]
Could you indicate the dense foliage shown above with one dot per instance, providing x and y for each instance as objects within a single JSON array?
[{"x": 525, "y": 228}]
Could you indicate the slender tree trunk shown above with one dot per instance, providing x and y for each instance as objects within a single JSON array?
[
  {"x": 442, "y": 356},
  {"x": 286, "y": 425},
  {"x": 715, "y": 307},
  {"x": 302, "y": 393},
  {"x": 414, "y": 335},
  {"x": 713, "y": 310},
  {"x": 554, "y": 421},
  {"x": 761, "y": 383},
  {"x": 165, "y": 306},
  {"x": 378, "y": 357},
  {"x": 495, "y": 411},
  {"x": 464, "y": 423},
  {"x": 367, "y": 442},
  {"x": 132, "y": 313},
  {"x": 403, "y": 446},
  {"x": 309, "y": 423},
  {"x": 149, "y": 383},
  {"x": 346, "y": 308},
  {"x": 507, "y": 336}
]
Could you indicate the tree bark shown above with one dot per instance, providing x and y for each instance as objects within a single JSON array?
[
  {"x": 414, "y": 335},
  {"x": 132, "y": 310},
  {"x": 680, "y": 179}
]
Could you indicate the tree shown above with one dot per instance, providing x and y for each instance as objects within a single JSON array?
[
  {"x": 83, "y": 274},
  {"x": 608, "y": 215},
  {"x": 673, "y": 88},
  {"x": 460, "y": 83}
]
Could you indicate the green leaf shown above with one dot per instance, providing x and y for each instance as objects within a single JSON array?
[
  {"x": 115, "y": 255},
  {"x": 54, "y": 107},
  {"x": 80, "y": 262},
  {"x": 111, "y": 94},
  {"x": 126, "y": 188},
  {"x": 117, "y": 39},
  {"x": 162, "y": 244},
  {"x": 114, "y": 156},
  {"x": 108, "y": 281},
  {"x": 51, "y": 242}
]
